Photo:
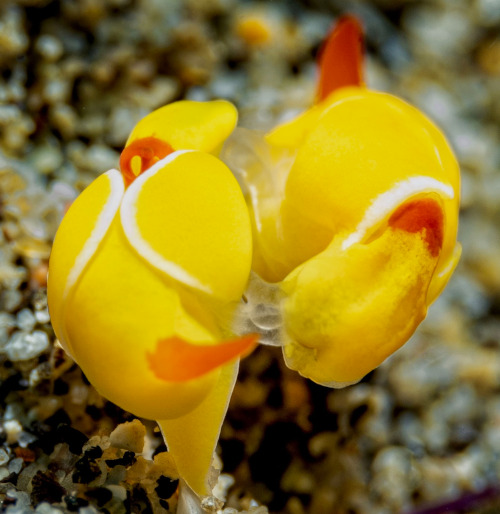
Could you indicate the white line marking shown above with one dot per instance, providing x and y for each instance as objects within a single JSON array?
[
  {"x": 128, "y": 212},
  {"x": 101, "y": 227},
  {"x": 386, "y": 202}
]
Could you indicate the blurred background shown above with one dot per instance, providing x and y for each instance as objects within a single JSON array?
[{"x": 421, "y": 434}]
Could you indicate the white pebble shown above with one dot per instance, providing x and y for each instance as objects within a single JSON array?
[
  {"x": 25, "y": 320},
  {"x": 118, "y": 491},
  {"x": 46, "y": 508},
  {"x": 23, "y": 346},
  {"x": 4, "y": 336},
  {"x": 49, "y": 47},
  {"x": 12, "y": 430},
  {"x": 129, "y": 436},
  {"x": 25, "y": 438},
  {"x": 23, "y": 502},
  {"x": 7, "y": 320},
  {"x": 488, "y": 11},
  {"x": 13, "y": 410},
  {"x": 42, "y": 316},
  {"x": 11, "y": 299},
  {"x": 88, "y": 510},
  {"x": 46, "y": 158},
  {"x": 15, "y": 465},
  {"x": 79, "y": 394},
  {"x": 4, "y": 457}
]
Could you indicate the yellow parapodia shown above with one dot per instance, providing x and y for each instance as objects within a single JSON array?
[
  {"x": 136, "y": 291},
  {"x": 362, "y": 233},
  {"x": 356, "y": 224}
]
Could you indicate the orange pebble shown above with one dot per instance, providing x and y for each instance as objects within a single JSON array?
[
  {"x": 39, "y": 274},
  {"x": 254, "y": 30}
]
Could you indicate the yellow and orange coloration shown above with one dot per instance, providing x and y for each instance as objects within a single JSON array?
[
  {"x": 358, "y": 230},
  {"x": 341, "y": 58},
  {"x": 135, "y": 289},
  {"x": 350, "y": 220},
  {"x": 144, "y": 152}
]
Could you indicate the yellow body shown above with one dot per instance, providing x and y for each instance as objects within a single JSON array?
[
  {"x": 133, "y": 267},
  {"x": 354, "y": 291},
  {"x": 164, "y": 257}
]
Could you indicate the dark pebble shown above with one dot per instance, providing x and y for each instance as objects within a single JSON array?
[
  {"x": 233, "y": 452},
  {"x": 46, "y": 440},
  {"x": 46, "y": 443},
  {"x": 127, "y": 460},
  {"x": 322, "y": 419},
  {"x": 8, "y": 501},
  {"x": 166, "y": 487},
  {"x": 59, "y": 358},
  {"x": 46, "y": 488},
  {"x": 273, "y": 371},
  {"x": 14, "y": 382},
  {"x": 11, "y": 479},
  {"x": 114, "y": 412},
  {"x": 73, "y": 503},
  {"x": 241, "y": 419},
  {"x": 60, "y": 387},
  {"x": 94, "y": 453},
  {"x": 275, "y": 398},
  {"x": 101, "y": 495},
  {"x": 73, "y": 437},
  {"x": 94, "y": 412},
  {"x": 270, "y": 461},
  {"x": 162, "y": 447},
  {"x": 86, "y": 470},
  {"x": 59, "y": 417},
  {"x": 138, "y": 502},
  {"x": 357, "y": 414},
  {"x": 281, "y": 442}
]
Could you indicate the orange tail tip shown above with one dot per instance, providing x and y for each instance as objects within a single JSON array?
[
  {"x": 149, "y": 150},
  {"x": 177, "y": 360},
  {"x": 341, "y": 57},
  {"x": 423, "y": 214}
]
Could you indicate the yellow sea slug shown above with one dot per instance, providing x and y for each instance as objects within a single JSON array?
[
  {"x": 135, "y": 287},
  {"x": 354, "y": 208},
  {"x": 348, "y": 232}
]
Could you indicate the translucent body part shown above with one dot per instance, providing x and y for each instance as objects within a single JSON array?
[
  {"x": 354, "y": 229},
  {"x": 137, "y": 296}
]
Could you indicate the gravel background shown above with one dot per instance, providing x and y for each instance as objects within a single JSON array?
[{"x": 421, "y": 433}]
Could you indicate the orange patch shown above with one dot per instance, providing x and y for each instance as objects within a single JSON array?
[
  {"x": 341, "y": 57},
  {"x": 177, "y": 360},
  {"x": 25, "y": 453},
  {"x": 149, "y": 150},
  {"x": 422, "y": 215}
]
